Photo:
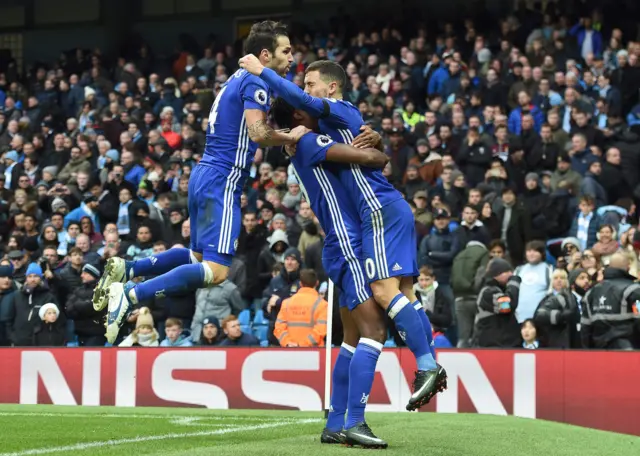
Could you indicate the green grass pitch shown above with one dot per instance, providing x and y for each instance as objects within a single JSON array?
[{"x": 84, "y": 431}]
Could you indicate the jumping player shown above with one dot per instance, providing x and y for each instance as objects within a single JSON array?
[
  {"x": 343, "y": 261},
  {"x": 388, "y": 234},
  {"x": 237, "y": 125}
]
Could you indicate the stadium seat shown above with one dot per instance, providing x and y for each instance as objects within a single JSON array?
[
  {"x": 390, "y": 343},
  {"x": 259, "y": 318},
  {"x": 264, "y": 343},
  {"x": 260, "y": 326},
  {"x": 245, "y": 321}
]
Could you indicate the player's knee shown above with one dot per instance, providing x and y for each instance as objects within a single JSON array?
[
  {"x": 383, "y": 292},
  {"x": 350, "y": 337},
  {"x": 214, "y": 273},
  {"x": 196, "y": 257},
  {"x": 375, "y": 332}
]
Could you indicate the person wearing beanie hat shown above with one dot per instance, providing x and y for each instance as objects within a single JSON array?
[
  {"x": 496, "y": 325},
  {"x": 50, "y": 333},
  {"x": 531, "y": 176},
  {"x": 279, "y": 222},
  {"x": 292, "y": 198},
  {"x": 34, "y": 295},
  {"x": 211, "y": 333},
  {"x": 59, "y": 205},
  {"x": 536, "y": 278},
  {"x": 145, "y": 334},
  {"x": 558, "y": 315},
  {"x": 89, "y": 324},
  {"x": 10, "y": 171}
]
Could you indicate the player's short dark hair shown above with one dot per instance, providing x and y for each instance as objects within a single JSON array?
[
  {"x": 264, "y": 35},
  {"x": 329, "y": 71},
  {"x": 282, "y": 113},
  {"x": 308, "y": 278}
]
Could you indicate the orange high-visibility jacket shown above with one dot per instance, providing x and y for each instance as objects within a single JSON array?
[{"x": 302, "y": 319}]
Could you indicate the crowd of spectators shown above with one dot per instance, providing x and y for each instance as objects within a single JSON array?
[{"x": 521, "y": 144}]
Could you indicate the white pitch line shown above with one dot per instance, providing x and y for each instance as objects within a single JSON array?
[
  {"x": 142, "y": 416},
  {"x": 151, "y": 438}
]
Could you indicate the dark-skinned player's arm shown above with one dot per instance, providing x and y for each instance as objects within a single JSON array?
[
  {"x": 347, "y": 154},
  {"x": 313, "y": 149}
]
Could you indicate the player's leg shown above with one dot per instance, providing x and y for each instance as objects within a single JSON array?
[
  {"x": 117, "y": 270},
  {"x": 406, "y": 287},
  {"x": 369, "y": 318},
  {"x": 209, "y": 232},
  {"x": 389, "y": 247},
  {"x": 333, "y": 431}
]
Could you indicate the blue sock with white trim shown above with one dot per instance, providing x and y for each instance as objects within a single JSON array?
[
  {"x": 180, "y": 280},
  {"x": 410, "y": 329},
  {"x": 340, "y": 389},
  {"x": 159, "y": 264},
  {"x": 426, "y": 324},
  {"x": 361, "y": 374}
]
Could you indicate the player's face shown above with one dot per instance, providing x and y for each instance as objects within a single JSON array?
[
  {"x": 315, "y": 86},
  {"x": 303, "y": 118},
  {"x": 281, "y": 59}
]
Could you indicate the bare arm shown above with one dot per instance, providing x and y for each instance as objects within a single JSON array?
[
  {"x": 344, "y": 153},
  {"x": 260, "y": 132}
]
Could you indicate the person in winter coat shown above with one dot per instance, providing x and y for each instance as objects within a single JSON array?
[
  {"x": 535, "y": 202},
  {"x": 8, "y": 289},
  {"x": 218, "y": 301},
  {"x": 250, "y": 244},
  {"x": 211, "y": 333},
  {"x": 610, "y": 309},
  {"x": 558, "y": 315},
  {"x": 471, "y": 229},
  {"x": 177, "y": 336},
  {"x": 145, "y": 335},
  {"x": 27, "y": 304},
  {"x": 234, "y": 334},
  {"x": 466, "y": 266},
  {"x": 515, "y": 224},
  {"x": 607, "y": 243},
  {"x": 89, "y": 324},
  {"x": 283, "y": 285},
  {"x": 50, "y": 333},
  {"x": 591, "y": 185},
  {"x": 536, "y": 280},
  {"x": 586, "y": 223},
  {"x": 75, "y": 165},
  {"x": 474, "y": 158},
  {"x": 496, "y": 324},
  {"x": 437, "y": 305},
  {"x": 439, "y": 248},
  {"x": 68, "y": 278},
  {"x": 270, "y": 255},
  {"x": 564, "y": 173}
]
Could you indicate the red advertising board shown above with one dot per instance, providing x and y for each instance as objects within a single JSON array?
[{"x": 587, "y": 388}]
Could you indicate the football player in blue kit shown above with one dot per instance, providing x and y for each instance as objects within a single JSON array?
[
  {"x": 237, "y": 125},
  {"x": 342, "y": 259},
  {"x": 388, "y": 230}
]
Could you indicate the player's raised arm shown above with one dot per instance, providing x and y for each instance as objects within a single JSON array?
[
  {"x": 260, "y": 132},
  {"x": 290, "y": 92}
]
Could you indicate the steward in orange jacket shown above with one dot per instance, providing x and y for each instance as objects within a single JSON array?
[{"x": 302, "y": 320}]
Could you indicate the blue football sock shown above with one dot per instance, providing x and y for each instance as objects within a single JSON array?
[
  {"x": 426, "y": 324},
  {"x": 181, "y": 280},
  {"x": 340, "y": 388},
  {"x": 361, "y": 375},
  {"x": 158, "y": 264},
  {"x": 408, "y": 324}
]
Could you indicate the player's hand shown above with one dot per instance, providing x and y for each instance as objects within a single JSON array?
[
  {"x": 290, "y": 149},
  {"x": 367, "y": 138},
  {"x": 298, "y": 133},
  {"x": 251, "y": 63}
]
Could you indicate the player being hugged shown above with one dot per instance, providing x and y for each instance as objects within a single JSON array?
[
  {"x": 388, "y": 230},
  {"x": 237, "y": 125}
]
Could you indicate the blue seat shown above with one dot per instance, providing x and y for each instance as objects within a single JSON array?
[
  {"x": 264, "y": 343},
  {"x": 390, "y": 343},
  {"x": 259, "y": 318},
  {"x": 261, "y": 332},
  {"x": 244, "y": 318}
]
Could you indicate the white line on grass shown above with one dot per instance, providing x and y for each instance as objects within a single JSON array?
[
  {"x": 151, "y": 416},
  {"x": 151, "y": 438}
]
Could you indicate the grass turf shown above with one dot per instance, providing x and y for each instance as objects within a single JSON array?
[{"x": 83, "y": 431}]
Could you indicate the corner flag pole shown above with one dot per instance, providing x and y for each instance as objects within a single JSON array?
[{"x": 327, "y": 348}]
